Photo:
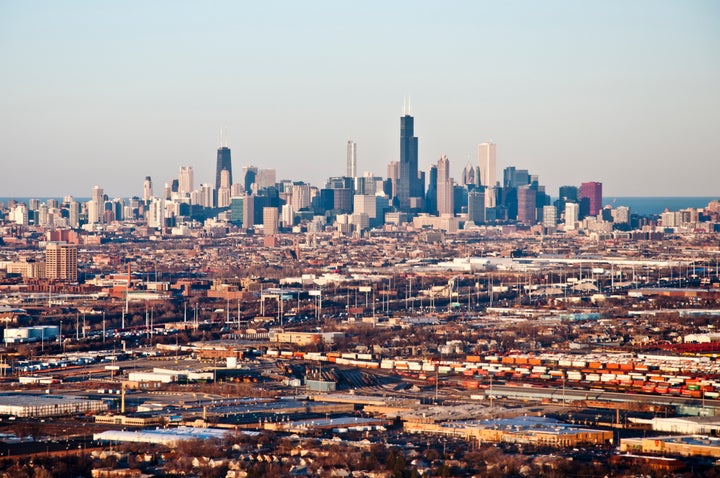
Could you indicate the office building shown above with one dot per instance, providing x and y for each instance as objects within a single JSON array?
[
  {"x": 593, "y": 192},
  {"x": 365, "y": 204},
  {"x": 445, "y": 196},
  {"x": 223, "y": 164},
  {"x": 526, "y": 205},
  {"x": 476, "y": 206},
  {"x": 186, "y": 182},
  {"x": 61, "y": 261},
  {"x": 300, "y": 196},
  {"x": 572, "y": 215},
  {"x": 471, "y": 176},
  {"x": 487, "y": 163},
  {"x": 249, "y": 177},
  {"x": 409, "y": 189},
  {"x": 621, "y": 215},
  {"x": 266, "y": 178},
  {"x": 393, "y": 174},
  {"x": 223, "y": 194},
  {"x": 549, "y": 216},
  {"x": 351, "y": 159},
  {"x": 147, "y": 189}
]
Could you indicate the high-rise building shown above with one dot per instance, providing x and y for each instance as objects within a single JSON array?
[
  {"x": 476, "y": 206},
  {"x": 593, "y": 192},
  {"x": 223, "y": 194},
  {"x": 248, "y": 178},
  {"x": 74, "y": 214},
  {"x": 572, "y": 214},
  {"x": 287, "y": 216},
  {"x": 393, "y": 174},
  {"x": 223, "y": 164},
  {"x": 266, "y": 178},
  {"x": 300, "y": 196},
  {"x": 207, "y": 195},
  {"x": 147, "y": 189},
  {"x": 526, "y": 201},
  {"x": 97, "y": 206},
  {"x": 445, "y": 193},
  {"x": 271, "y": 218},
  {"x": 471, "y": 175},
  {"x": 487, "y": 163},
  {"x": 342, "y": 200},
  {"x": 351, "y": 159},
  {"x": 155, "y": 214},
  {"x": 549, "y": 216},
  {"x": 186, "y": 181},
  {"x": 408, "y": 184},
  {"x": 61, "y": 261},
  {"x": 431, "y": 193},
  {"x": 621, "y": 215}
]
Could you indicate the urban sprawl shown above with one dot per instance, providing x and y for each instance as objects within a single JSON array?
[{"x": 408, "y": 325}]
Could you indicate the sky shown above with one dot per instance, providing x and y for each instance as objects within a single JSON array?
[{"x": 105, "y": 93}]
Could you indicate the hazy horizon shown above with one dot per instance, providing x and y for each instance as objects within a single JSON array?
[{"x": 107, "y": 93}]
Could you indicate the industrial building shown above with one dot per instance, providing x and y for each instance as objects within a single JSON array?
[
  {"x": 20, "y": 335},
  {"x": 164, "y": 436},
  {"x": 697, "y": 445},
  {"x": 683, "y": 425},
  {"x": 26, "y": 405},
  {"x": 530, "y": 430}
]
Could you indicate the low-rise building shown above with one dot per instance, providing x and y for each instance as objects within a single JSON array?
[{"x": 696, "y": 445}]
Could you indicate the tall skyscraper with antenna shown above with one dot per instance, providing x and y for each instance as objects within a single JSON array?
[{"x": 408, "y": 184}]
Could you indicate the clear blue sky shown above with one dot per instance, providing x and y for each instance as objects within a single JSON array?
[{"x": 100, "y": 92}]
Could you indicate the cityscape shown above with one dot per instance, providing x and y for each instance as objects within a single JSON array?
[
  {"x": 379, "y": 326},
  {"x": 520, "y": 277}
]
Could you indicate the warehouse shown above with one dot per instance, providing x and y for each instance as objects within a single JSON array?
[
  {"x": 165, "y": 436},
  {"x": 26, "y": 405},
  {"x": 673, "y": 445},
  {"x": 530, "y": 430}
]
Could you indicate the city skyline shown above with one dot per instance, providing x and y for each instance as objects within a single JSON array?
[{"x": 607, "y": 93}]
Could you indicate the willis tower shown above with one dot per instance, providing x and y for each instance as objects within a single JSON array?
[{"x": 409, "y": 188}]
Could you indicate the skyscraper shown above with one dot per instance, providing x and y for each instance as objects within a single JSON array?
[
  {"x": 572, "y": 212},
  {"x": 445, "y": 203},
  {"x": 487, "y": 163},
  {"x": 408, "y": 184},
  {"x": 526, "y": 205},
  {"x": 186, "y": 181},
  {"x": 593, "y": 192},
  {"x": 393, "y": 174},
  {"x": 351, "y": 159},
  {"x": 476, "y": 206},
  {"x": 147, "y": 189},
  {"x": 223, "y": 164}
]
